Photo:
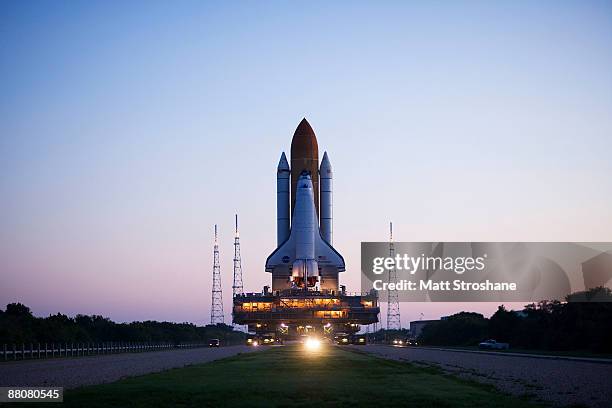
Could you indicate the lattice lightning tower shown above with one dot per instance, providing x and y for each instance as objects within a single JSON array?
[
  {"x": 216, "y": 310},
  {"x": 393, "y": 308},
  {"x": 237, "y": 286}
]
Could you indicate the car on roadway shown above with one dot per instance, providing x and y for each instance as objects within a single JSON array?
[
  {"x": 342, "y": 339},
  {"x": 493, "y": 345},
  {"x": 213, "y": 343},
  {"x": 253, "y": 341},
  {"x": 268, "y": 339},
  {"x": 359, "y": 339}
]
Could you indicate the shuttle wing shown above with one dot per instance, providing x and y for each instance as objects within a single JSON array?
[
  {"x": 305, "y": 241},
  {"x": 325, "y": 254}
]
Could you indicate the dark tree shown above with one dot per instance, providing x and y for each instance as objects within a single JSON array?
[{"x": 18, "y": 325}]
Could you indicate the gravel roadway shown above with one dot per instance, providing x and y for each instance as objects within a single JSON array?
[
  {"x": 558, "y": 381},
  {"x": 79, "y": 371}
]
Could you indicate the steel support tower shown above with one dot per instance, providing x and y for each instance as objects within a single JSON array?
[
  {"x": 393, "y": 307},
  {"x": 237, "y": 286},
  {"x": 216, "y": 310}
]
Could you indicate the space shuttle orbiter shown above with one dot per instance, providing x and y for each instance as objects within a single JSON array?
[{"x": 305, "y": 257}]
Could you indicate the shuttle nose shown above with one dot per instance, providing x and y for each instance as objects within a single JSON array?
[{"x": 305, "y": 181}]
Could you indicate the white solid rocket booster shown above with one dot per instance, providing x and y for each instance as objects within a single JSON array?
[
  {"x": 326, "y": 206},
  {"x": 282, "y": 200}
]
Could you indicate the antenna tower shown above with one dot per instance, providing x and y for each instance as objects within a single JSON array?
[
  {"x": 393, "y": 307},
  {"x": 216, "y": 310}
]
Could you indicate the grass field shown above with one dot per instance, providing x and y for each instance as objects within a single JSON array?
[{"x": 282, "y": 376}]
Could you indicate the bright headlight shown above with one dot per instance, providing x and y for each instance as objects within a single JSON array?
[{"x": 312, "y": 343}]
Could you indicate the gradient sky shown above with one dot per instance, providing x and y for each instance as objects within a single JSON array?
[{"x": 127, "y": 129}]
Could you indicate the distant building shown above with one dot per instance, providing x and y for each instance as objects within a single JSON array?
[{"x": 416, "y": 327}]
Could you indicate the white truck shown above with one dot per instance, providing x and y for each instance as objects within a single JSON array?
[{"x": 493, "y": 345}]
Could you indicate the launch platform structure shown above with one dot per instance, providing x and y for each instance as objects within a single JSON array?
[
  {"x": 393, "y": 307},
  {"x": 216, "y": 310}
]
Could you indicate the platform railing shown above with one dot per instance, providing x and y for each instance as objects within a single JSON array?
[{"x": 312, "y": 294}]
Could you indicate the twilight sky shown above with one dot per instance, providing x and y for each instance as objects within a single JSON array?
[{"x": 128, "y": 129}]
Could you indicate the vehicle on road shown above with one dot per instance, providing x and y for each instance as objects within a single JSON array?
[
  {"x": 411, "y": 342},
  {"x": 213, "y": 343},
  {"x": 342, "y": 339},
  {"x": 398, "y": 342},
  {"x": 493, "y": 345},
  {"x": 359, "y": 339},
  {"x": 268, "y": 339}
]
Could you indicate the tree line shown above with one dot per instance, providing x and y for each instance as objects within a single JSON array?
[
  {"x": 18, "y": 325},
  {"x": 577, "y": 324}
]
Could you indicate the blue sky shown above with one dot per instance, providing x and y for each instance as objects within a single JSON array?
[{"x": 127, "y": 129}]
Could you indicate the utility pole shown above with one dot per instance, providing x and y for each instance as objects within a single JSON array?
[
  {"x": 216, "y": 310},
  {"x": 393, "y": 307}
]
